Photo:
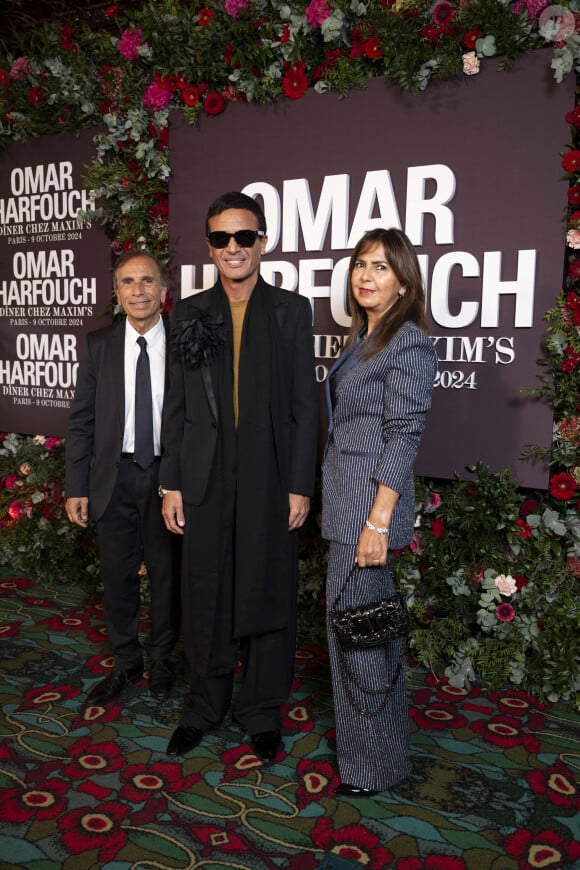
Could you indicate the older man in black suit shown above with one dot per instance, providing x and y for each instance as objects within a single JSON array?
[
  {"x": 239, "y": 448},
  {"x": 112, "y": 473}
]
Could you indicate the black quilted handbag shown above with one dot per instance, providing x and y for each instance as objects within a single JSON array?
[
  {"x": 364, "y": 627},
  {"x": 370, "y": 624}
]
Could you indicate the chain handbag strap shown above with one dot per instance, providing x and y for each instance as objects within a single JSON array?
[{"x": 347, "y": 673}]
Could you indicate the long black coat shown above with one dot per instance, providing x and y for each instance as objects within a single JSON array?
[{"x": 241, "y": 479}]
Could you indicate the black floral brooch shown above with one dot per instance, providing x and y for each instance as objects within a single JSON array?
[{"x": 198, "y": 340}]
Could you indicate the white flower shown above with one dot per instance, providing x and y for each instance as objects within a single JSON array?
[
  {"x": 332, "y": 26},
  {"x": 470, "y": 63},
  {"x": 485, "y": 46},
  {"x": 506, "y": 584}
]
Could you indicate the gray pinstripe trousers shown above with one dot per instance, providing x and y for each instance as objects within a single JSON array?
[{"x": 372, "y": 750}]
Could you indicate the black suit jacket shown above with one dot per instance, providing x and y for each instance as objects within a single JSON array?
[{"x": 94, "y": 440}]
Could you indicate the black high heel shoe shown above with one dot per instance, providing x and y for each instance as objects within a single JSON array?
[{"x": 346, "y": 790}]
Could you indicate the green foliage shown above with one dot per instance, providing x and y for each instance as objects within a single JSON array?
[
  {"x": 492, "y": 582},
  {"x": 36, "y": 537}
]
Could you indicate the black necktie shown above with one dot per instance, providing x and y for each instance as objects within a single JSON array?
[{"x": 144, "y": 451}]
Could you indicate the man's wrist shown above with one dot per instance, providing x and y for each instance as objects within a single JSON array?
[{"x": 162, "y": 491}]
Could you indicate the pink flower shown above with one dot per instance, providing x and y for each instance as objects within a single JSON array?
[
  {"x": 470, "y": 63},
  {"x": 317, "y": 12},
  {"x": 233, "y": 7},
  {"x": 15, "y": 510},
  {"x": 20, "y": 68},
  {"x": 416, "y": 544},
  {"x": 505, "y": 612},
  {"x": 443, "y": 12},
  {"x": 506, "y": 584},
  {"x": 130, "y": 42},
  {"x": 533, "y": 7},
  {"x": 12, "y": 482},
  {"x": 51, "y": 443},
  {"x": 156, "y": 97},
  {"x": 434, "y": 500},
  {"x": 573, "y": 239}
]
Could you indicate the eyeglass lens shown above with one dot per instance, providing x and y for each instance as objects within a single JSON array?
[{"x": 244, "y": 238}]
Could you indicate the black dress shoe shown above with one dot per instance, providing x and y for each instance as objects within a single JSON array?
[
  {"x": 161, "y": 679},
  {"x": 346, "y": 790},
  {"x": 184, "y": 739},
  {"x": 111, "y": 687},
  {"x": 266, "y": 745}
]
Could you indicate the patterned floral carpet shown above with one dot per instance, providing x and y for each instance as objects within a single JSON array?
[{"x": 495, "y": 783}]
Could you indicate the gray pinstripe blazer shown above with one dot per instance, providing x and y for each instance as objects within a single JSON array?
[{"x": 374, "y": 433}]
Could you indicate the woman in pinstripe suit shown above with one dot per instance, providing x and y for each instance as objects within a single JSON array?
[{"x": 378, "y": 392}]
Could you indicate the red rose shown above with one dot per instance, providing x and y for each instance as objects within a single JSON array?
[
  {"x": 181, "y": 82},
  {"x": 438, "y": 528},
  {"x": 206, "y": 16},
  {"x": 574, "y": 268},
  {"x": 229, "y": 52},
  {"x": 524, "y": 530},
  {"x": 571, "y": 361},
  {"x": 66, "y": 42},
  {"x": 573, "y": 117},
  {"x": 36, "y": 96},
  {"x": 372, "y": 48},
  {"x": 574, "y": 194},
  {"x": 521, "y": 581},
  {"x": 213, "y": 103},
  {"x": 471, "y": 490},
  {"x": 295, "y": 82},
  {"x": 433, "y": 33},
  {"x": 571, "y": 161},
  {"x": 470, "y": 38},
  {"x": 111, "y": 10},
  {"x": 191, "y": 96},
  {"x": 5, "y": 77},
  {"x": 528, "y": 507},
  {"x": 562, "y": 486}
]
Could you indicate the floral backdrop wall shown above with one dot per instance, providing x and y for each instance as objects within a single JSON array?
[{"x": 492, "y": 573}]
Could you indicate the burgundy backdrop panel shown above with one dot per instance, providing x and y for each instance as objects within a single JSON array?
[
  {"x": 471, "y": 170},
  {"x": 55, "y": 282}
]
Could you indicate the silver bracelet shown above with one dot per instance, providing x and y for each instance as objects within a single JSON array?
[{"x": 377, "y": 529}]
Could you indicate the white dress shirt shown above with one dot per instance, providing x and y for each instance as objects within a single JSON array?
[{"x": 156, "y": 353}]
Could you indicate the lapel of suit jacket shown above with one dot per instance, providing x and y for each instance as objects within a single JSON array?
[
  {"x": 118, "y": 372},
  {"x": 209, "y": 301},
  {"x": 334, "y": 367},
  {"x": 167, "y": 355}
]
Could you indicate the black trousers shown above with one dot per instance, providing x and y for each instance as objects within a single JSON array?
[
  {"x": 132, "y": 531},
  {"x": 208, "y": 601}
]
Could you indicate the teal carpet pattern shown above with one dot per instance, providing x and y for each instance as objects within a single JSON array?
[{"x": 496, "y": 781}]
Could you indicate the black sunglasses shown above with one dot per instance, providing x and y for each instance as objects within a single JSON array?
[{"x": 244, "y": 238}]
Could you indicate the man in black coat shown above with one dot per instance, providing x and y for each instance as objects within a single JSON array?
[
  {"x": 237, "y": 473},
  {"x": 113, "y": 475}
]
